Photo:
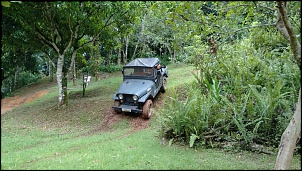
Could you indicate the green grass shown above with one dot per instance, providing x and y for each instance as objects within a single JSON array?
[
  {"x": 37, "y": 136},
  {"x": 180, "y": 74}
]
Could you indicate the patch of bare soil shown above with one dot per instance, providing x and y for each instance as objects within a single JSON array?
[
  {"x": 136, "y": 121},
  {"x": 110, "y": 119},
  {"x": 9, "y": 103},
  {"x": 26, "y": 94}
]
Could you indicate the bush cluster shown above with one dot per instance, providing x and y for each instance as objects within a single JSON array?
[
  {"x": 110, "y": 68},
  {"x": 24, "y": 78},
  {"x": 244, "y": 95}
]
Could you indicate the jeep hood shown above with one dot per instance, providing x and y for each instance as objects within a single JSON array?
[{"x": 137, "y": 87}]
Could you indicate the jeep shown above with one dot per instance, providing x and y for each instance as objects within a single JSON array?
[{"x": 143, "y": 79}]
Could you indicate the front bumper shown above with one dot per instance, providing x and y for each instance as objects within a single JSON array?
[{"x": 127, "y": 108}]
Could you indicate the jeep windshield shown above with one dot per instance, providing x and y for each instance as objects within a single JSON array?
[{"x": 138, "y": 71}]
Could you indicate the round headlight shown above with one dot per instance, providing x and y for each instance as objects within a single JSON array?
[
  {"x": 135, "y": 97},
  {"x": 120, "y": 96}
]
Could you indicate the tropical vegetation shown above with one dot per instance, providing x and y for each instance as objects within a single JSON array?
[{"x": 248, "y": 67}]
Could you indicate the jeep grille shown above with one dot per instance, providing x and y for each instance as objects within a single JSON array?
[{"x": 128, "y": 99}]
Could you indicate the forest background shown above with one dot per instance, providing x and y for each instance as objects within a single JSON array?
[{"x": 248, "y": 79}]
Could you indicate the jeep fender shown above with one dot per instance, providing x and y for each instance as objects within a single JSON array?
[
  {"x": 114, "y": 97},
  {"x": 144, "y": 98}
]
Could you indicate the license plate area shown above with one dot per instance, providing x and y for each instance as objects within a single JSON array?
[{"x": 126, "y": 110}]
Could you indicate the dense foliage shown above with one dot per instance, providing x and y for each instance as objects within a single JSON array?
[{"x": 243, "y": 95}]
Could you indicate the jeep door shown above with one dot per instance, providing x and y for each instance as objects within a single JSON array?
[{"x": 158, "y": 79}]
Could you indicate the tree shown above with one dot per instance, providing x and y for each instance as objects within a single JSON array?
[
  {"x": 124, "y": 28},
  {"x": 17, "y": 51},
  {"x": 293, "y": 131},
  {"x": 46, "y": 23},
  {"x": 61, "y": 25}
]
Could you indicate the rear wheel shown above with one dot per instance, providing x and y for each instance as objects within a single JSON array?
[
  {"x": 147, "y": 112},
  {"x": 117, "y": 103}
]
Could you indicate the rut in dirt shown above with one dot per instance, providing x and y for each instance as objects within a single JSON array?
[
  {"x": 110, "y": 118},
  {"x": 10, "y": 103},
  {"x": 137, "y": 122}
]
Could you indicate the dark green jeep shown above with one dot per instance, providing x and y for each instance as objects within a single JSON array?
[{"x": 143, "y": 79}]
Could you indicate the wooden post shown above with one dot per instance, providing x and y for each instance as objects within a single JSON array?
[{"x": 84, "y": 84}]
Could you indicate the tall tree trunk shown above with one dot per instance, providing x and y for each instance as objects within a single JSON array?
[
  {"x": 64, "y": 84},
  {"x": 119, "y": 53},
  {"x": 292, "y": 133},
  {"x": 140, "y": 37},
  {"x": 16, "y": 77},
  {"x": 110, "y": 57},
  {"x": 125, "y": 52},
  {"x": 134, "y": 53},
  {"x": 171, "y": 54},
  {"x": 49, "y": 68},
  {"x": 96, "y": 58},
  {"x": 74, "y": 73},
  {"x": 72, "y": 66},
  {"x": 174, "y": 59},
  {"x": 289, "y": 139},
  {"x": 59, "y": 73}
]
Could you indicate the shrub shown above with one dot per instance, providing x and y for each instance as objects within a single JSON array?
[
  {"x": 24, "y": 78},
  {"x": 110, "y": 68},
  {"x": 251, "y": 92}
]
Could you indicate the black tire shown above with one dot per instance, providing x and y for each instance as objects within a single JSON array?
[
  {"x": 163, "y": 88},
  {"x": 147, "y": 112},
  {"x": 117, "y": 103}
]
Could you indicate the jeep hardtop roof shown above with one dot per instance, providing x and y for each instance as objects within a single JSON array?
[{"x": 144, "y": 62}]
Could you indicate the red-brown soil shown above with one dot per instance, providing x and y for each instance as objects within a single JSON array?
[{"x": 9, "y": 103}]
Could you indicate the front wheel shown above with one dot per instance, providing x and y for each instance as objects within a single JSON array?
[
  {"x": 147, "y": 112},
  {"x": 117, "y": 103},
  {"x": 164, "y": 85}
]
